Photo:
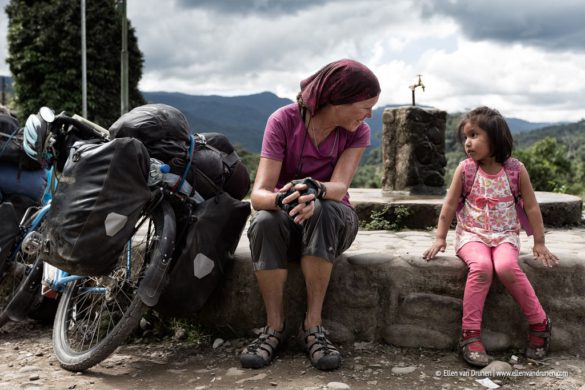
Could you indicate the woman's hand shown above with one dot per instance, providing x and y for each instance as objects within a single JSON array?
[
  {"x": 438, "y": 246},
  {"x": 306, "y": 203},
  {"x": 541, "y": 252}
]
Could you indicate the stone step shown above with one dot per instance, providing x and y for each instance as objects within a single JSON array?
[
  {"x": 422, "y": 211},
  {"x": 382, "y": 290}
]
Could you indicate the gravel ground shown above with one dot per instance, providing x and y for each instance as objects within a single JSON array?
[{"x": 27, "y": 361}]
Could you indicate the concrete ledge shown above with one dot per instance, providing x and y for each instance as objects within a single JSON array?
[
  {"x": 382, "y": 290},
  {"x": 422, "y": 211}
]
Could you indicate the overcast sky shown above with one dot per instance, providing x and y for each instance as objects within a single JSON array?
[{"x": 523, "y": 57}]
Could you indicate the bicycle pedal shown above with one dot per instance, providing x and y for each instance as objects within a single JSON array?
[{"x": 32, "y": 243}]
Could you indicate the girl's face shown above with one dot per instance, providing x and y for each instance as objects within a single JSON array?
[
  {"x": 351, "y": 116},
  {"x": 477, "y": 143}
]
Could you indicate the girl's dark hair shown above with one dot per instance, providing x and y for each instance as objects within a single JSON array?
[{"x": 494, "y": 124}]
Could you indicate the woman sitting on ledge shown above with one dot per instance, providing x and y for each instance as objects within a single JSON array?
[{"x": 310, "y": 153}]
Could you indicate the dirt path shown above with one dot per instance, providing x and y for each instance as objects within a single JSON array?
[{"x": 27, "y": 362}]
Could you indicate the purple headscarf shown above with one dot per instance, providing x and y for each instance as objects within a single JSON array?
[{"x": 340, "y": 82}]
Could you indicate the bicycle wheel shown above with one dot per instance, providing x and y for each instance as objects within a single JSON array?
[
  {"x": 97, "y": 314},
  {"x": 20, "y": 286}
]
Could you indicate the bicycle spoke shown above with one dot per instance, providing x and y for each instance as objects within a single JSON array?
[{"x": 98, "y": 313}]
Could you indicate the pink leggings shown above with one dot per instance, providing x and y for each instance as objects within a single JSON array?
[{"x": 482, "y": 261}]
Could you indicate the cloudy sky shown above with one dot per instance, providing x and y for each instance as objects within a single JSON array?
[{"x": 524, "y": 57}]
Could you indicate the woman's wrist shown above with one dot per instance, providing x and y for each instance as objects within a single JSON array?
[{"x": 323, "y": 190}]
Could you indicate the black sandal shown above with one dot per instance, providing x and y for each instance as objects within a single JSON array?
[
  {"x": 475, "y": 358},
  {"x": 322, "y": 354},
  {"x": 262, "y": 351},
  {"x": 539, "y": 352}
]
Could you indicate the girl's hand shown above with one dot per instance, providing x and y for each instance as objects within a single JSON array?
[
  {"x": 541, "y": 252},
  {"x": 438, "y": 246}
]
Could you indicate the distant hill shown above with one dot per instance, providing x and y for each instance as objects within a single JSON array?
[
  {"x": 5, "y": 86},
  {"x": 517, "y": 126},
  {"x": 241, "y": 118},
  {"x": 521, "y": 126},
  {"x": 572, "y": 135}
]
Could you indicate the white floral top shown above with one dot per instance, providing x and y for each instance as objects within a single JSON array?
[{"x": 489, "y": 213}]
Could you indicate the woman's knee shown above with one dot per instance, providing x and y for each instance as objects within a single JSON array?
[{"x": 265, "y": 222}]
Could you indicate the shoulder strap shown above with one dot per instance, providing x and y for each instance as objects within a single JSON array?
[
  {"x": 512, "y": 169},
  {"x": 469, "y": 173}
]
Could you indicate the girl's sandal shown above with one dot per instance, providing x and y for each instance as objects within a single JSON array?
[
  {"x": 322, "y": 354},
  {"x": 263, "y": 350},
  {"x": 538, "y": 352},
  {"x": 475, "y": 358}
]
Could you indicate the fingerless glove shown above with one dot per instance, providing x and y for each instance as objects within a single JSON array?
[{"x": 313, "y": 187}]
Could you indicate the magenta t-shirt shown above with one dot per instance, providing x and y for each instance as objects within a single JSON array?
[{"x": 286, "y": 139}]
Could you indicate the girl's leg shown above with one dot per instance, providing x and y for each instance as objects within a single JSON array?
[
  {"x": 515, "y": 280},
  {"x": 478, "y": 258}
]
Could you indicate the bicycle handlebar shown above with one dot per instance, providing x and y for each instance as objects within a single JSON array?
[{"x": 86, "y": 128}]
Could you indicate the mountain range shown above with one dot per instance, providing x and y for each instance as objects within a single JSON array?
[{"x": 243, "y": 118}]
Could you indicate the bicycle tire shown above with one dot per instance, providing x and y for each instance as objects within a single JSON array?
[{"x": 82, "y": 315}]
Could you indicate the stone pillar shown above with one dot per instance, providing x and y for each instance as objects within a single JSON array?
[{"x": 413, "y": 150}]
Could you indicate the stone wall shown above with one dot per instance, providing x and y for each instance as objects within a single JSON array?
[
  {"x": 413, "y": 149},
  {"x": 382, "y": 290}
]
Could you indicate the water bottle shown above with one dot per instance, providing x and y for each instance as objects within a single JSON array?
[
  {"x": 172, "y": 181},
  {"x": 157, "y": 171}
]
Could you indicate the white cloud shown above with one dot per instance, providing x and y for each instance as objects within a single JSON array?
[{"x": 525, "y": 59}]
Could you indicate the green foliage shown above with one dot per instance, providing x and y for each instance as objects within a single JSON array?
[
  {"x": 44, "y": 44},
  {"x": 388, "y": 218},
  {"x": 368, "y": 176},
  {"x": 249, "y": 159},
  {"x": 190, "y": 330},
  {"x": 548, "y": 166}
]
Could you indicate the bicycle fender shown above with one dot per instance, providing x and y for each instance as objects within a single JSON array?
[{"x": 155, "y": 277}]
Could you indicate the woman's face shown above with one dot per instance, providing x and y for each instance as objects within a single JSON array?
[{"x": 351, "y": 116}]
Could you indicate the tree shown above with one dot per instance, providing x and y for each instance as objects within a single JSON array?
[
  {"x": 548, "y": 166},
  {"x": 44, "y": 44}
]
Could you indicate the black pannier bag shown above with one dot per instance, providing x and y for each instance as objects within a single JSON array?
[
  {"x": 8, "y": 229},
  {"x": 101, "y": 193},
  {"x": 11, "y": 149},
  {"x": 204, "y": 255},
  {"x": 165, "y": 132},
  {"x": 20, "y": 203},
  {"x": 216, "y": 158},
  {"x": 163, "y": 129}
]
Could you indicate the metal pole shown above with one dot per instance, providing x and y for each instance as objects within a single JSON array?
[
  {"x": 124, "y": 61},
  {"x": 3, "y": 90},
  {"x": 83, "y": 63}
]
